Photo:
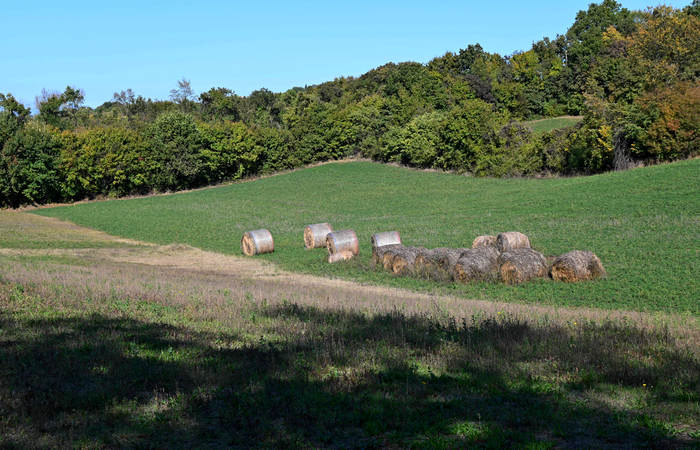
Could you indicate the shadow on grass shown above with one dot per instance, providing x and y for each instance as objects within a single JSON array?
[{"x": 330, "y": 379}]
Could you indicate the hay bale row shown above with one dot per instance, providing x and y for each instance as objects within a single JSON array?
[
  {"x": 484, "y": 261},
  {"x": 257, "y": 242},
  {"x": 507, "y": 256}
]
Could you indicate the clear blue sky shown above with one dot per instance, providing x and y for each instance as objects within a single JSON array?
[{"x": 149, "y": 45}]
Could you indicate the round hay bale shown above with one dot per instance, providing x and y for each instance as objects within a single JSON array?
[
  {"x": 257, "y": 242},
  {"x": 447, "y": 259},
  {"x": 421, "y": 262},
  {"x": 340, "y": 256},
  {"x": 476, "y": 264},
  {"x": 404, "y": 259},
  {"x": 388, "y": 255},
  {"x": 315, "y": 235},
  {"x": 427, "y": 255},
  {"x": 577, "y": 265},
  {"x": 429, "y": 264},
  {"x": 521, "y": 264},
  {"x": 511, "y": 240},
  {"x": 340, "y": 241},
  {"x": 484, "y": 241},
  {"x": 385, "y": 238},
  {"x": 378, "y": 253}
]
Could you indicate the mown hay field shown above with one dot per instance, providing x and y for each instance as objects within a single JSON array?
[
  {"x": 642, "y": 223},
  {"x": 113, "y": 344}
]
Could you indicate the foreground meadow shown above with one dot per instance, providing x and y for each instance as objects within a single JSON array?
[
  {"x": 642, "y": 223},
  {"x": 115, "y": 343}
]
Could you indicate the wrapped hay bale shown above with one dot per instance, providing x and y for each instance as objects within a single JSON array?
[
  {"x": 315, "y": 235},
  {"x": 404, "y": 259},
  {"x": 476, "y": 264},
  {"x": 484, "y": 241},
  {"x": 257, "y": 242},
  {"x": 340, "y": 241},
  {"x": 385, "y": 238},
  {"x": 381, "y": 240},
  {"x": 340, "y": 256},
  {"x": 577, "y": 265},
  {"x": 378, "y": 253},
  {"x": 511, "y": 240},
  {"x": 521, "y": 264}
]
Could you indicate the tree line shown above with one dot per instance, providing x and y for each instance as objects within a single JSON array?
[{"x": 632, "y": 75}]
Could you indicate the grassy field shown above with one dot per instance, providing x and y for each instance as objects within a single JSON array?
[
  {"x": 107, "y": 344},
  {"x": 554, "y": 123},
  {"x": 642, "y": 223}
]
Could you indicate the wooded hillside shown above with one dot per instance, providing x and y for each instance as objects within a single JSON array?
[{"x": 632, "y": 75}]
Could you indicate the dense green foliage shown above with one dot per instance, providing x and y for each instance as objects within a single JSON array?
[
  {"x": 634, "y": 77},
  {"x": 642, "y": 223}
]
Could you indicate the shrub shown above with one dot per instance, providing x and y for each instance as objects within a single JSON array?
[
  {"x": 229, "y": 151},
  {"x": 175, "y": 145},
  {"x": 553, "y": 149},
  {"x": 669, "y": 123},
  {"x": 418, "y": 143},
  {"x": 28, "y": 166},
  {"x": 278, "y": 151},
  {"x": 103, "y": 161},
  {"x": 469, "y": 130},
  {"x": 513, "y": 152}
]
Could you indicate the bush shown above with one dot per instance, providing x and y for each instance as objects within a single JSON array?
[
  {"x": 103, "y": 161},
  {"x": 669, "y": 123},
  {"x": 229, "y": 151},
  {"x": 278, "y": 150},
  {"x": 418, "y": 144},
  {"x": 175, "y": 145},
  {"x": 513, "y": 152},
  {"x": 469, "y": 130},
  {"x": 29, "y": 166},
  {"x": 553, "y": 149}
]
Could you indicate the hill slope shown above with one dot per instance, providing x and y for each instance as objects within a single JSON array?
[{"x": 642, "y": 223}]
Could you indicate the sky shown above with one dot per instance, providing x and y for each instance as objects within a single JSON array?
[{"x": 105, "y": 47}]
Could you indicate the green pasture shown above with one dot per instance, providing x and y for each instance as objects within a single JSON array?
[
  {"x": 642, "y": 223},
  {"x": 554, "y": 123}
]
